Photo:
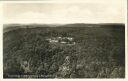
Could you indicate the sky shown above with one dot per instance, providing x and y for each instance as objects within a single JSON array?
[{"x": 90, "y": 11}]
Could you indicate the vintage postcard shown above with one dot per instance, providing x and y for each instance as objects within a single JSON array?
[{"x": 64, "y": 39}]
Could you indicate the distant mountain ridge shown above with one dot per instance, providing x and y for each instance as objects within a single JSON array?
[{"x": 9, "y": 27}]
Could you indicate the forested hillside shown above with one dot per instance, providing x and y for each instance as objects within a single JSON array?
[{"x": 94, "y": 52}]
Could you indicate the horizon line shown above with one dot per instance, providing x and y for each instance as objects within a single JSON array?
[{"x": 55, "y": 23}]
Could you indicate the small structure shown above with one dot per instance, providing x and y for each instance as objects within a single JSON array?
[
  {"x": 62, "y": 40},
  {"x": 52, "y": 40},
  {"x": 69, "y": 38}
]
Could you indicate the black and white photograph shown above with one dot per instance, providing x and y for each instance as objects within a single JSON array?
[{"x": 83, "y": 40}]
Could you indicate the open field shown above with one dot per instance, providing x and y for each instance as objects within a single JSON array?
[{"x": 64, "y": 51}]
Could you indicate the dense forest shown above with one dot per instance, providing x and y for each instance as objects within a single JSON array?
[{"x": 98, "y": 52}]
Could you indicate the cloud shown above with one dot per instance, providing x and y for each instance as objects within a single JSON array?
[
  {"x": 90, "y": 12},
  {"x": 30, "y": 15}
]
